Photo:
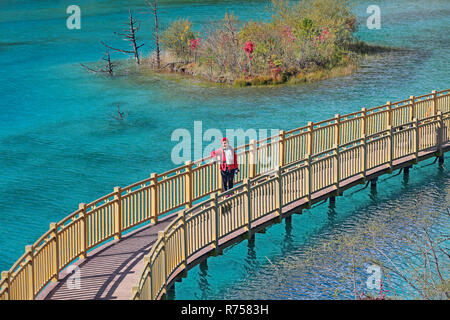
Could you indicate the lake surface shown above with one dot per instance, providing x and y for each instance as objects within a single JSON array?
[{"x": 59, "y": 145}]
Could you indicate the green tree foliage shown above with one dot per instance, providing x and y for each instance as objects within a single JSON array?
[{"x": 177, "y": 37}]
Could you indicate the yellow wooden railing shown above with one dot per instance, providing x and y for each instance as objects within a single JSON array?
[
  {"x": 311, "y": 159},
  {"x": 305, "y": 160}
]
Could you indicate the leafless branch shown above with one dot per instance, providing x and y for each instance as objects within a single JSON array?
[
  {"x": 130, "y": 35},
  {"x": 153, "y": 4}
]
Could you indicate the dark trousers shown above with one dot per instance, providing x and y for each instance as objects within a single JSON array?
[{"x": 227, "y": 179}]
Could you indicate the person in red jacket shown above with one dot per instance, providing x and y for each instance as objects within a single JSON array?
[{"x": 228, "y": 164}]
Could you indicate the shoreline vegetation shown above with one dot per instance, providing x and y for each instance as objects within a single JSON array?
[{"x": 303, "y": 42}]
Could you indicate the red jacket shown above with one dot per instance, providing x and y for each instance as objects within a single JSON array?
[{"x": 223, "y": 162}]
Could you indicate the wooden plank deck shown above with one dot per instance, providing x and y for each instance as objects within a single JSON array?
[{"x": 110, "y": 271}]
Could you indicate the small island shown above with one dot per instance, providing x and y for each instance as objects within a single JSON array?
[{"x": 303, "y": 42}]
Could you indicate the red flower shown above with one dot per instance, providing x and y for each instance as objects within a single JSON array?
[
  {"x": 195, "y": 43},
  {"x": 288, "y": 34},
  {"x": 249, "y": 47}
]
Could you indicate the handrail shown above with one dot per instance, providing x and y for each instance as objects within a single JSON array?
[
  {"x": 108, "y": 217},
  {"x": 392, "y": 143}
]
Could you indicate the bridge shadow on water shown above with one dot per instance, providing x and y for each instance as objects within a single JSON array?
[{"x": 244, "y": 270}]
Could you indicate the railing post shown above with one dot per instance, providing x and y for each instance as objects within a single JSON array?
[
  {"x": 253, "y": 155},
  {"x": 364, "y": 157},
  {"x": 189, "y": 184},
  {"x": 30, "y": 269},
  {"x": 413, "y": 107},
  {"x": 118, "y": 213},
  {"x": 416, "y": 131},
  {"x": 135, "y": 293},
  {"x": 5, "y": 281},
  {"x": 83, "y": 230},
  {"x": 216, "y": 221},
  {"x": 154, "y": 200},
  {"x": 435, "y": 104},
  {"x": 280, "y": 191},
  {"x": 150, "y": 285},
  {"x": 311, "y": 138},
  {"x": 218, "y": 178},
  {"x": 364, "y": 122},
  {"x": 309, "y": 180},
  {"x": 54, "y": 233},
  {"x": 389, "y": 114},
  {"x": 282, "y": 147},
  {"x": 337, "y": 130},
  {"x": 337, "y": 168},
  {"x": 162, "y": 235},
  {"x": 440, "y": 137},
  {"x": 182, "y": 215},
  {"x": 247, "y": 190},
  {"x": 391, "y": 146}
]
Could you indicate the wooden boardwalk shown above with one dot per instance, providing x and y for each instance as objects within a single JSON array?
[
  {"x": 112, "y": 270},
  {"x": 109, "y": 272},
  {"x": 80, "y": 257}
]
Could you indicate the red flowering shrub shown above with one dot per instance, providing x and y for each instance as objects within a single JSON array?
[
  {"x": 195, "y": 43},
  {"x": 249, "y": 47}
]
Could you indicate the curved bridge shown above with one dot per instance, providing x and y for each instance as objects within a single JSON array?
[{"x": 97, "y": 252}]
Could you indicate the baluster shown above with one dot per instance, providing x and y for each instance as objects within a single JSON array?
[{"x": 252, "y": 159}]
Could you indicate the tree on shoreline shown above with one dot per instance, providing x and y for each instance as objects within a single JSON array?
[
  {"x": 130, "y": 35},
  {"x": 154, "y": 6},
  {"x": 108, "y": 68}
]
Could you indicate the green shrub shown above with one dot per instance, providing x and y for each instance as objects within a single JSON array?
[
  {"x": 241, "y": 83},
  {"x": 262, "y": 80},
  {"x": 176, "y": 39}
]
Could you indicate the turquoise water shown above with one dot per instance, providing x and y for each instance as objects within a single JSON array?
[{"x": 59, "y": 145}]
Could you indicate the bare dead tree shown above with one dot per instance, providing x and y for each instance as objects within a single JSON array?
[
  {"x": 121, "y": 115},
  {"x": 130, "y": 35},
  {"x": 108, "y": 68},
  {"x": 229, "y": 26},
  {"x": 109, "y": 64},
  {"x": 154, "y": 6}
]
